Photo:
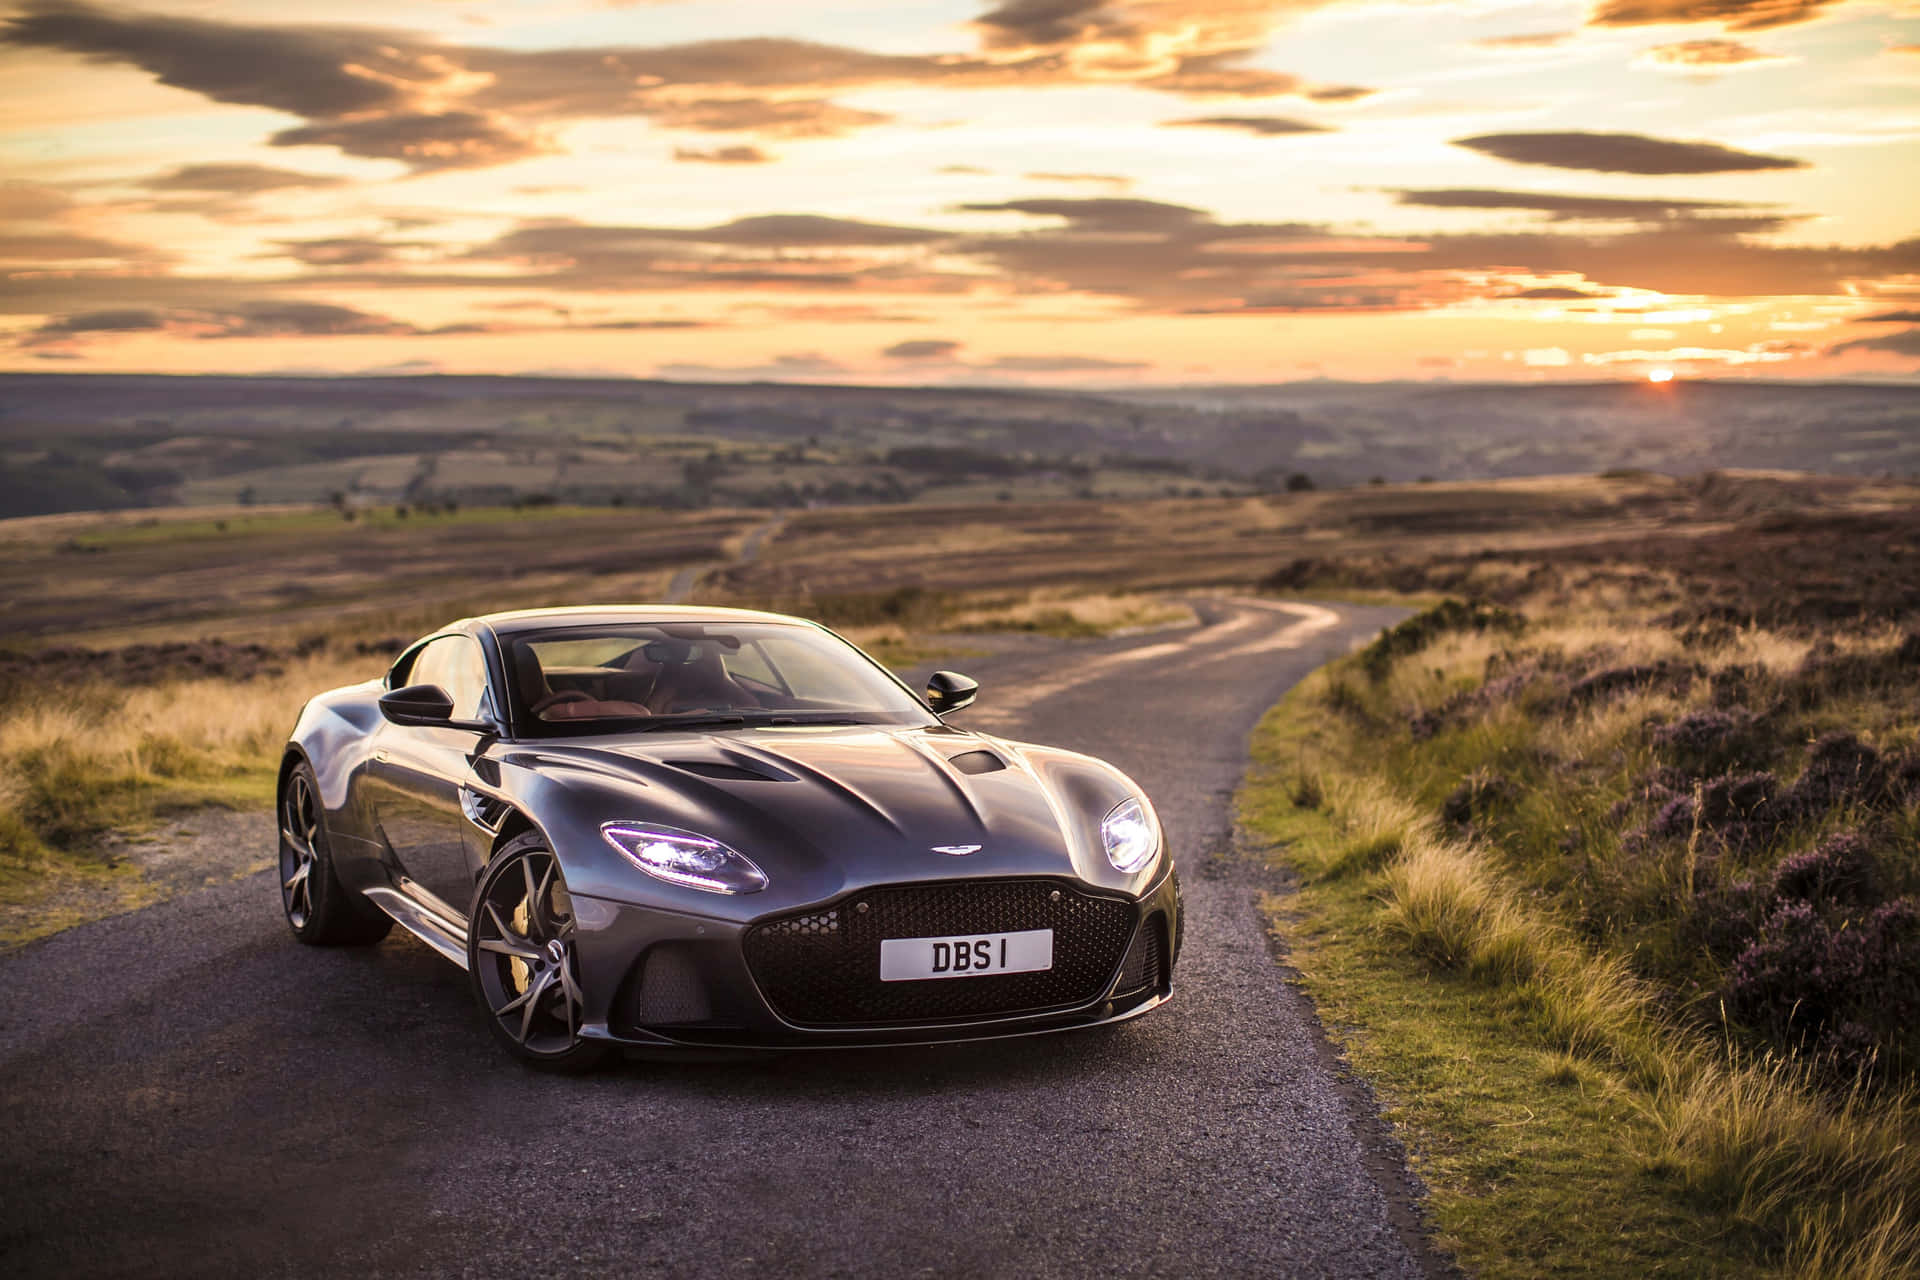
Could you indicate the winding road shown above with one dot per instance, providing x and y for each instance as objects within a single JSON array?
[{"x": 188, "y": 1091}]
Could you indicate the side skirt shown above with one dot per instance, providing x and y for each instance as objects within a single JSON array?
[{"x": 443, "y": 935}]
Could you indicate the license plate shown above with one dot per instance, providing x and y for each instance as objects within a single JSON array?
[{"x": 916, "y": 959}]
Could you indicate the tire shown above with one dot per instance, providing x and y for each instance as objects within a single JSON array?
[
  {"x": 319, "y": 909},
  {"x": 521, "y": 959}
]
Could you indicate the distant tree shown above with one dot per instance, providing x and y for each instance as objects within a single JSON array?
[
  {"x": 247, "y": 496},
  {"x": 1377, "y": 480},
  {"x": 1299, "y": 482}
]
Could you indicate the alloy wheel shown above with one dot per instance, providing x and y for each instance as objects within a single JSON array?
[
  {"x": 300, "y": 840},
  {"x": 524, "y": 954}
]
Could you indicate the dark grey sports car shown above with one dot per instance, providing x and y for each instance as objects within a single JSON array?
[{"x": 663, "y": 827}]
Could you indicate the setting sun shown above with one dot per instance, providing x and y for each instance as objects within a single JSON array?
[{"x": 1659, "y": 375}]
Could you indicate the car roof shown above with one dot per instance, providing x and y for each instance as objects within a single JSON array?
[{"x": 518, "y": 620}]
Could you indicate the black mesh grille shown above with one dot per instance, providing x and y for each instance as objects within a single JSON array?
[
  {"x": 823, "y": 968},
  {"x": 1143, "y": 966}
]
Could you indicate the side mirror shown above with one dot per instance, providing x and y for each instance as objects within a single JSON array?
[
  {"x": 950, "y": 691},
  {"x": 421, "y": 704}
]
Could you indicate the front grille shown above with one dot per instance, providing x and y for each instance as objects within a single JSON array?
[{"x": 822, "y": 967}]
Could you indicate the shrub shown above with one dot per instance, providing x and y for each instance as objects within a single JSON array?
[
  {"x": 1605, "y": 684},
  {"x": 1703, "y": 743},
  {"x": 1840, "y": 871},
  {"x": 1421, "y": 630},
  {"x": 1840, "y": 769},
  {"x": 1478, "y": 796}
]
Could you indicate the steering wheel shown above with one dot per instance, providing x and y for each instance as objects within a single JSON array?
[{"x": 559, "y": 696}]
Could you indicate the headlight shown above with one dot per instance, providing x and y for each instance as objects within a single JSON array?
[
  {"x": 681, "y": 857},
  {"x": 1130, "y": 836}
]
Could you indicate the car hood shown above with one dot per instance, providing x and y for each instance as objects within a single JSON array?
[{"x": 823, "y": 809}]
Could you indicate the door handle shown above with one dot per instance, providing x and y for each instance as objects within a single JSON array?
[{"x": 380, "y": 756}]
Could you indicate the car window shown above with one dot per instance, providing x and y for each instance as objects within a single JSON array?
[
  {"x": 594, "y": 679},
  {"x": 456, "y": 665},
  {"x": 750, "y": 660}
]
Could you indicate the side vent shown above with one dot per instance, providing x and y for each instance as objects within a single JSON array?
[
  {"x": 977, "y": 762},
  {"x": 487, "y": 812}
]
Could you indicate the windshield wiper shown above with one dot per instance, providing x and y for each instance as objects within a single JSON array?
[
  {"x": 693, "y": 720},
  {"x": 724, "y": 719}
]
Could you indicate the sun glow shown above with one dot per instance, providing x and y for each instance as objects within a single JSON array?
[{"x": 1659, "y": 375}]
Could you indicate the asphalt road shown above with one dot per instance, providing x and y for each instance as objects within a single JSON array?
[{"x": 188, "y": 1091}]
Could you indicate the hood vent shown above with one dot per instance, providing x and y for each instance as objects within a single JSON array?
[
  {"x": 719, "y": 771},
  {"x": 971, "y": 762}
]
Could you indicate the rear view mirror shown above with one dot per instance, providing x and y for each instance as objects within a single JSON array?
[
  {"x": 418, "y": 704},
  {"x": 950, "y": 691}
]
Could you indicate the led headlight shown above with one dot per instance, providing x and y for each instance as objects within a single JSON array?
[
  {"x": 683, "y": 858},
  {"x": 1130, "y": 835}
]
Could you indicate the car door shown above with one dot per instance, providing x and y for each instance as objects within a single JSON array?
[{"x": 416, "y": 772}]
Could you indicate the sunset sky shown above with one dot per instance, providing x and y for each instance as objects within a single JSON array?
[{"x": 1045, "y": 192}]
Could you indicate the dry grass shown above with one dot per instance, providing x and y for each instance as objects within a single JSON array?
[
  {"x": 1058, "y": 611},
  {"x": 91, "y": 757}
]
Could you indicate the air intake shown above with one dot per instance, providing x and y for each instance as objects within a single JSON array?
[
  {"x": 977, "y": 762},
  {"x": 718, "y": 771}
]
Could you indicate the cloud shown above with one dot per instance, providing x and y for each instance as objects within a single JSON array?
[
  {"x": 1621, "y": 153},
  {"x": 1564, "y": 208},
  {"x": 425, "y": 142},
  {"x": 1259, "y": 126},
  {"x": 280, "y": 319},
  {"x": 722, "y": 155},
  {"x": 304, "y": 74},
  {"x": 799, "y": 364},
  {"x": 771, "y": 251},
  {"x": 1733, "y": 15},
  {"x": 1101, "y": 214},
  {"x": 1761, "y": 353},
  {"x": 236, "y": 179},
  {"x": 922, "y": 349},
  {"x": 1558, "y": 293},
  {"x": 1890, "y": 317},
  {"x": 1705, "y": 57},
  {"x": 125, "y": 320},
  {"x": 1902, "y": 342},
  {"x": 32, "y": 202},
  {"x": 42, "y": 250},
  {"x": 435, "y": 104},
  {"x": 1061, "y": 364},
  {"x": 1527, "y": 40},
  {"x": 1113, "y": 182},
  {"x": 348, "y": 251},
  {"x": 267, "y": 318},
  {"x": 778, "y": 118}
]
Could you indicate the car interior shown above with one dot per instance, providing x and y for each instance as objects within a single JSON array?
[{"x": 571, "y": 677}]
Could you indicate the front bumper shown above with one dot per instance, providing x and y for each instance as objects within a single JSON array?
[{"x": 662, "y": 980}]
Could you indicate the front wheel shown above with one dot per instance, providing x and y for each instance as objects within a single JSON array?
[
  {"x": 520, "y": 956},
  {"x": 319, "y": 909}
]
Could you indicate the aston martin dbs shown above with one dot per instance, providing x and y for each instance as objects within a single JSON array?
[{"x": 669, "y": 828}]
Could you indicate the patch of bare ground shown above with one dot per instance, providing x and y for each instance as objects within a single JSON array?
[{"x": 134, "y": 869}]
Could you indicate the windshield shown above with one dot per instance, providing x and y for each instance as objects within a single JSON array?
[{"x": 627, "y": 676}]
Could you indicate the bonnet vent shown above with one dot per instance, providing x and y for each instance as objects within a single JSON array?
[
  {"x": 977, "y": 762},
  {"x": 720, "y": 772}
]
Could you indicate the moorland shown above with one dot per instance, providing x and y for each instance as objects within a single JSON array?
[{"x": 91, "y": 442}]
